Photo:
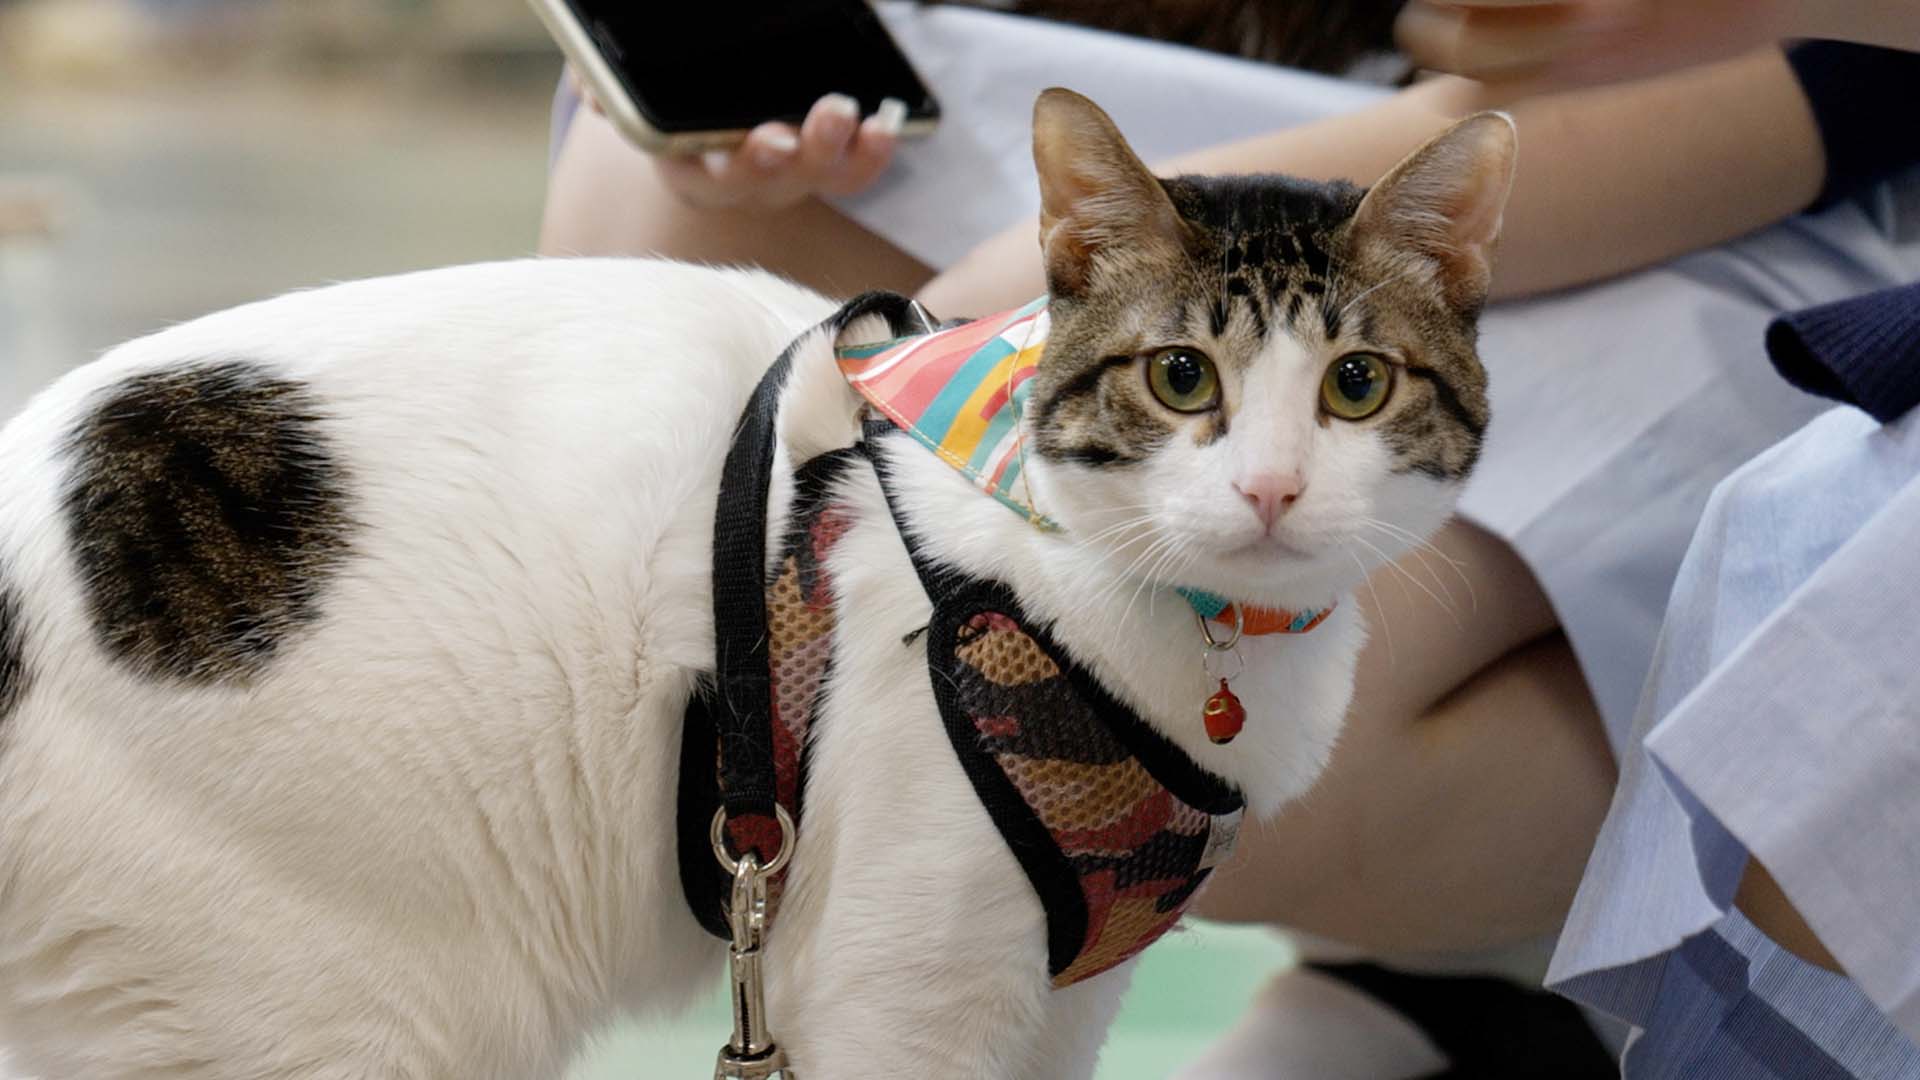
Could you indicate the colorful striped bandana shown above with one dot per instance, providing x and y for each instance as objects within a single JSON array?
[{"x": 960, "y": 392}]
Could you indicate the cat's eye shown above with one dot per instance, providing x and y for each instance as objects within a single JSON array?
[
  {"x": 1183, "y": 379},
  {"x": 1356, "y": 386}
]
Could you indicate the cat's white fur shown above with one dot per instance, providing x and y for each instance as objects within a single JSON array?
[{"x": 435, "y": 837}]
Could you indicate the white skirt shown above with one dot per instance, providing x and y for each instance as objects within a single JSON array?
[{"x": 1616, "y": 408}]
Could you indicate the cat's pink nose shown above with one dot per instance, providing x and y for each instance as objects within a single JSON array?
[{"x": 1269, "y": 493}]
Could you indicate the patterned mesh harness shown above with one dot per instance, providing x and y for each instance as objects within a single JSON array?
[{"x": 1114, "y": 826}]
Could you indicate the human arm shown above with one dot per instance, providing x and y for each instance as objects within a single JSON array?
[
  {"x": 1535, "y": 45},
  {"x": 1610, "y": 179},
  {"x": 1857, "y": 61}
]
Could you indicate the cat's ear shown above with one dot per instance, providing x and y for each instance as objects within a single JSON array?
[
  {"x": 1095, "y": 195},
  {"x": 1444, "y": 202}
]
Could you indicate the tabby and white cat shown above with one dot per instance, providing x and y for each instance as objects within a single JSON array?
[{"x": 345, "y": 637}]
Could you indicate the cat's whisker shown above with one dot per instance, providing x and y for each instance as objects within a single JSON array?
[
  {"x": 1411, "y": 537},
  {"x": 1081, "y": 542},
  {"x": 1132, "y": 577},
  {"x": 1386, "y": 628},
  {"x": 1334, "y": 280},
  {"x": 1092, "y": 538},
  {"x": 1364, "y": 293},
  {"x": 1152, "y": 559},
  {"x": 1399, "y": 575},
  {"x": 1371, "y": 289},
  {"x": 1118, "y": 580},
  {"x": 1414, "y": 550},
  {"x": 1132, "y": 542},
  {"x": 1189, "y": 555},
  {"x": 1161, "y": 572},
  {"x": 1401, "y": 571},
  {"x": 1158, "y": 548},
  {"x": 1380, "y": 556},
  {"x": 1121, "y": 508},
  {"x": 1126, "y": 574},
  {"x": 1459, "y": 571},
  {"x": 1421, "y": 543},
  {"x": 1160, "y": 575},
  {"x": 1120, "y": 542},
  {"x": 1127, "y": 611}
]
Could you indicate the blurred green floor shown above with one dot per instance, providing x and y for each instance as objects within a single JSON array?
[{"x": 1190, "y": 989}]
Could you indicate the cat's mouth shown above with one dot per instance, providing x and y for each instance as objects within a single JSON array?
[{"x": 1267, "y": 548}]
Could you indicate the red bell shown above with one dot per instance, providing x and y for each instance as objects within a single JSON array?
[{"x": 1224, "y": 715}]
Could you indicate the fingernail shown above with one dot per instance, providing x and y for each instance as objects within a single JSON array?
[
  {"x": 773, "y": 148},
  {"x": 1418, "y": 26},
  {"x": 840, "y": 105},
  {"x": 715, "y": 161},
  {"x": 890, "y": 117}
]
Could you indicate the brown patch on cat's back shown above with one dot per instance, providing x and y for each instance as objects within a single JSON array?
[
  {"x": 13, "y": 664},
  {"x": 207, "y": 511}
]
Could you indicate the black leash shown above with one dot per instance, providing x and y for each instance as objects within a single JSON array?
[{"x": 726, "y": 756}]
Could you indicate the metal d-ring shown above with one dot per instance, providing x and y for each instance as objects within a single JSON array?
[
  {"x": 718, "y": 834},
  {"x": 1215, "y": 663},
  {"x": 1239, "y": 626}
]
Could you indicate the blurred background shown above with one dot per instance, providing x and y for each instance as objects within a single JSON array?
[{"x": 161, "y": 159}]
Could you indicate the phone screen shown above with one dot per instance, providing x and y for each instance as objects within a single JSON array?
[{"x": 709, "y": 65}]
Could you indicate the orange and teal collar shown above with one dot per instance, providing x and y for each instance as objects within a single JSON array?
[{"x": 1255, "y": 621}]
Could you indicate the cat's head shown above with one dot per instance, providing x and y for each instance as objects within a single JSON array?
[{"x": 1259, "y": 386}]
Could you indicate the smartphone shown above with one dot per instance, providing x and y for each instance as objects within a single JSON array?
[{"x": 691, "y": 75}]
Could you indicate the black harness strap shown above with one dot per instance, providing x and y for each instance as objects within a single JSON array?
[{"x": 726, "y": 756}]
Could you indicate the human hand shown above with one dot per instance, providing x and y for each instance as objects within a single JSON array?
[
  {"x": 1539, "y": 45},
  {"x": 832, "y": 153}
]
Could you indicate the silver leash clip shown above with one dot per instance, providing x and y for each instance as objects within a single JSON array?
[{"x": 752, "y": 1054}]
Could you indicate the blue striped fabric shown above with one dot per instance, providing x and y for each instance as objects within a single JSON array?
[
  {"x": 1781, "y": 722},
  {"x": 1730, "y": 1005}
]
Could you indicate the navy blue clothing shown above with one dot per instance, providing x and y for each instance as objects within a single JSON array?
[
  {"x": 1864, "y": 351},
  {"x": 1866, "y": 101}
]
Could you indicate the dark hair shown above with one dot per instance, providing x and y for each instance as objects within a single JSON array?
[{"x": 1318, "y": 35}]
